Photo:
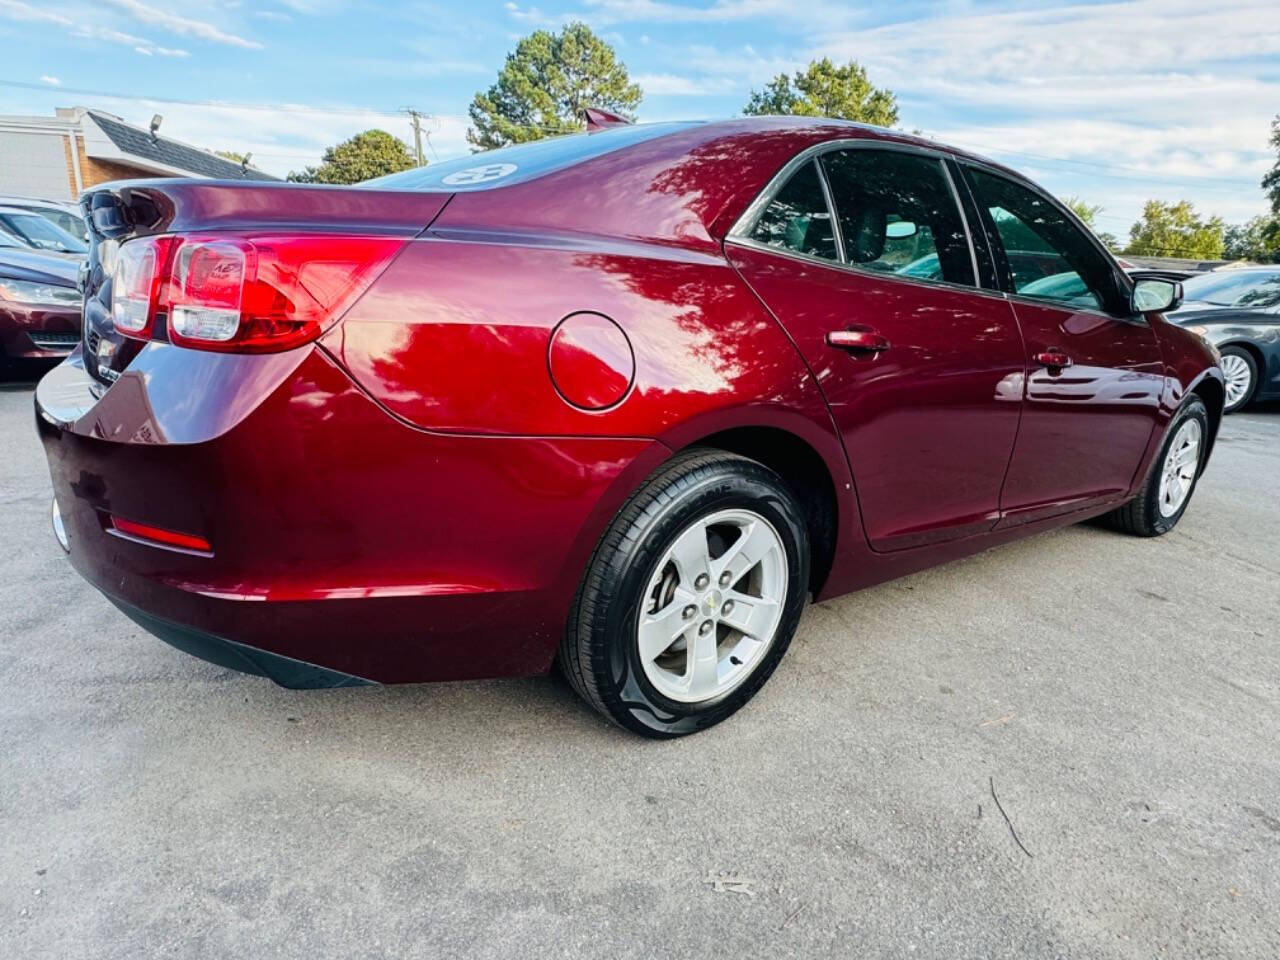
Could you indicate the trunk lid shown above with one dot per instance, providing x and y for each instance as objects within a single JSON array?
[{"x": 118, "y": 212}]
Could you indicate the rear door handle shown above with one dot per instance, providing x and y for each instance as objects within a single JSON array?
[
  {"x": 1053, "y": 358},
  {"x": 858, "y": 341}
]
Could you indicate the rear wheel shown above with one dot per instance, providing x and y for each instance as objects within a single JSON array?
[
  {"x": 691, "y": 598},
  {"x": 1172, "y": 478},
  {"x": 1240, "y": 371}
]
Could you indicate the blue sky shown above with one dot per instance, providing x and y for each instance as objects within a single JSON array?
[{"x": 1115, "y": 102}]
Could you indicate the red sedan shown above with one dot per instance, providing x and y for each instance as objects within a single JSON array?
[{"x": 620, "y": 401}]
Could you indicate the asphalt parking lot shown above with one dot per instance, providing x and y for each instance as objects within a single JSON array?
[{"x": 1121, "y": 696}]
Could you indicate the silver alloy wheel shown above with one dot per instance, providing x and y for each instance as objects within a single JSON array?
[
  {"x": 712, "y": 606},
  {"x": 1235, "y": 369},
  {"x": 1180, "y": 466}
]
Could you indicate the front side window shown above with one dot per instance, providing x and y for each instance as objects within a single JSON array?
[
  {"x": 1049, "y": 257},
  {"x": 897, "y": 214},
  {"x": 797, "y": 218}
]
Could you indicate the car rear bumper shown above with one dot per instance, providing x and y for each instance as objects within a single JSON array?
[
  {"x": 344, "y": 545},
  {"x": 38, "y": 332}
]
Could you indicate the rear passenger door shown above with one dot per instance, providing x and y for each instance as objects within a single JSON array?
[
  {"x": 861, "y": 251},
  {"x": 1094, "y": 372}
]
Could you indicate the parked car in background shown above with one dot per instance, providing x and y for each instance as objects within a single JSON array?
[
  {"x": 39, "y": 233},
  {"x": 40, "y": 305},
  {"x": 622, "y": 400},
  {"x": 1238, "y": 311},
  {"x": 61, "y": 214}
]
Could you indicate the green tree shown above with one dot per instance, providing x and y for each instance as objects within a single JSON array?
[
  {"x": 373, "y": 153},
  {"x": 1271, "y": 182},
  {"x": 1085, "y": 211},
  {"x": 546, "y": 83},
  {"x": 1088, "y": 212},
  {"x": 1256, "y": 239},
  {"x": 231, "y": 155},
  {"x": 1175, "y": 230},
  {"x": 826, "y": 90}
]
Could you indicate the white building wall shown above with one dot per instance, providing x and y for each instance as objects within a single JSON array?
[{"x": 34, "y": 165}]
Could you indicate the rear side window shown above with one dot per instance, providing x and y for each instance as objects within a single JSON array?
[
  {"x": 797, "y": 218},
  {"x": 898, "y": 214},
  {"x": 1049, "y": 257}
]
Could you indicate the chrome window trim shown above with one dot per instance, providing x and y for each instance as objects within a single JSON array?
[{"x": 858, "y": 271}]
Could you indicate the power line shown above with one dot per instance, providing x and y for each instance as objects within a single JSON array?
[{"x": 226, "y": 105}]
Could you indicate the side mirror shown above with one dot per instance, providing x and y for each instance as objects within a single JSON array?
[
  {"x": 900, "y": 230},
  {"x": 1155, "y": 295}
]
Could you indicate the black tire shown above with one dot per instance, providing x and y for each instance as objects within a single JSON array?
[
  {"x": 1142, "y": 515},
  {"x": 1252, "y": 366},
  {"x": 599, "y": 654}
]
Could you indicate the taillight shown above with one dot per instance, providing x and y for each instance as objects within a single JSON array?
[
  {"x": 135, "y": 284},
  {"x": 249, "y": 294}
]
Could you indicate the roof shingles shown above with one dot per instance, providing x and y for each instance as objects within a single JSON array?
[{"x": 171, "y": 153}]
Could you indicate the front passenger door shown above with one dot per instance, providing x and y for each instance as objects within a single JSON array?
[{"x": 1094, "y": 372}]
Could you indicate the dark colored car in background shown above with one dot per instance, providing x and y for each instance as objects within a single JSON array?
[
  {"x": 621, "y": 400},
  {"x": 40, "y": 306},
  {"x": 1238, "y": 311}
]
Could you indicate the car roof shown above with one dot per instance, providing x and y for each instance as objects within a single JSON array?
[{"x": 12, "y": 200}]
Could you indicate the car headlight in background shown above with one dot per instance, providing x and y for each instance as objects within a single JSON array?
[{"x": 42, "y": 294}]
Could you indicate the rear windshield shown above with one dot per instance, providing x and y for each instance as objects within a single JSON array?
[{"x": 524, "y": 161}]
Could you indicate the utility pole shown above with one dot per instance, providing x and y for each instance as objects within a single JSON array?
[{"x": 415, "y": 117}]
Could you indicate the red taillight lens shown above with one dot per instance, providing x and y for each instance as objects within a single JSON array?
[
  {"x": 158, "y": 535},
  {"x": 262, "y": 294},
  {"x": 243, "y": 294},
  {"x": 135, "y": 284}
]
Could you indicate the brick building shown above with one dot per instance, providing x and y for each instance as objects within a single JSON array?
[{"x": 55, "y": 158}]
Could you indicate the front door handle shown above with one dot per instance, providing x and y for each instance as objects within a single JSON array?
[
  {"x": 1053, "y": 358},
  {"x": 859, "y": 341}
]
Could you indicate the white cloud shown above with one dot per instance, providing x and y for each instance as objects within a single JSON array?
[
  {"x": 1132, "y": 99},
  {"x": 185, "y": 26},
  {"x": 721, "y": 11},
  {"x": 670, "y": 84},
  {"x": 51, "y": 81},
  {"x": 1115, "y": 101},
  {"x": 16, "y": 10},
  {"x": 531, "y": 15}
]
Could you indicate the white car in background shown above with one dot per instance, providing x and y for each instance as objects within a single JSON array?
[{"x": 61, "y": 213}]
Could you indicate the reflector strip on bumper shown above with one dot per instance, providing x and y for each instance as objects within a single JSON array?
[{"x": 157, "y": 536}]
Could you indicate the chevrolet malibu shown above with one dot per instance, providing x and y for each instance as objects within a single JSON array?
[{"x": 619, "y": 401}]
